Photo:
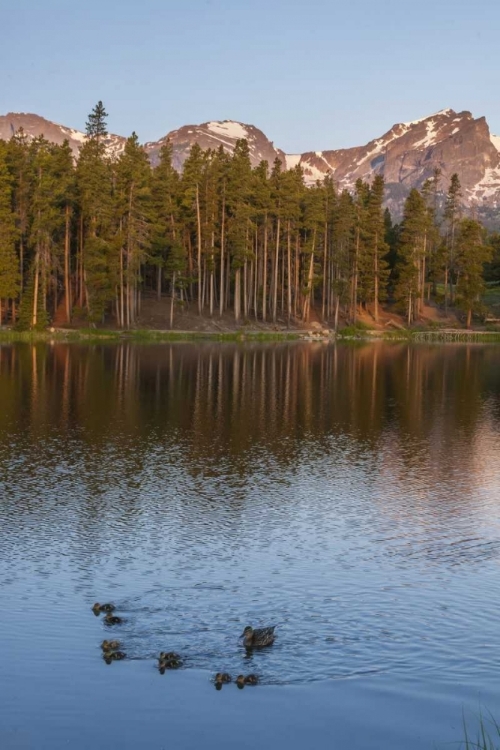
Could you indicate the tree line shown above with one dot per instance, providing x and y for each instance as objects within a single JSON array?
[{"x": 95, "y": 234}]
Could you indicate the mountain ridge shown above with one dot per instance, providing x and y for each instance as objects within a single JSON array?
[{"x": 406, "y": 155}]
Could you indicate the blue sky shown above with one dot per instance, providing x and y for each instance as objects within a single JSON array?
[{"x": 312, "y": 75}]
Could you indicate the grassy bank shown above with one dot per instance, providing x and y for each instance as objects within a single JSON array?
[
  {"x": 96, "y": 335},
  {"x": 351, "y": 334}
]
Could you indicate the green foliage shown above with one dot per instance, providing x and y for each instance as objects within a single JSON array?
[
  {"x": 9, "y": 264},
  {"x": 222, "y": 234}
]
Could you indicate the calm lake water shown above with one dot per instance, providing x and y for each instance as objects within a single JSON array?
[{"x": 349, "y": 495}]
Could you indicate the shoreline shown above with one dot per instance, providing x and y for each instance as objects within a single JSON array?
[{"x": 361, "y": 335}]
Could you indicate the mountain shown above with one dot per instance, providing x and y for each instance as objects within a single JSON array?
[
  {"x": 34, "y": 126},
  {"x": 213, "y": 135},
  {"x": 405, "y": 156},
  {"x": 409, "y": 153}
]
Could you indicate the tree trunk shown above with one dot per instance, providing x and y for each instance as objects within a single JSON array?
[
  {"x": 264, "y": 274},
  {"x": 172, "y": 301},
  {"x": 67, "y": 283},
  {"x": 34, "y": 318},
  {"x": 275, "y": 275},
  {"x": 222, "y": 229},
  {"x": 198, "y": 220}
]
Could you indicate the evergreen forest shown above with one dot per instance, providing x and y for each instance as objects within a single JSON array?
[{"x": 93, "y": 236}]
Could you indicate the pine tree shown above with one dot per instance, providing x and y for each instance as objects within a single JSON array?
[
  {"x": 134, "y": 214},
  {"x": 96, "y": 272},
  {"x": 10, "y": 276},
  {"x": 452, "y": 215},
  {"x": 343, "y": 250},
  {"x": 373, "y": 267},
  {"x": 471, "y": 255},
  {"x": 411, "y": 251},
  {"x": 96, "y": 126},
  {"x": 167, "y": 250}
]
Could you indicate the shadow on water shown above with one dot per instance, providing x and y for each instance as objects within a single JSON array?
[{"x": 347, "y": 495}]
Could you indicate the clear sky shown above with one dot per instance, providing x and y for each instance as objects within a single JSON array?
[{"x": 312, "y": 74}]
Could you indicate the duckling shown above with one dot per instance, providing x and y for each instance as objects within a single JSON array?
[
  {"x": 172, "y": 664},
  {"x": 117, "y": 655},
  {"x": 110, "y": 645},
  {"x": 223, "y": 677},
  {"x": 108, "y": 607},
  {"x": 169, "y": 655},
  {"x": 96, "y": 609},
  {"x": 240, "y": 682},
  {"x": 112, "y": 619},
  {"x": 251, "y": 679},
  {"x": 259, "y": 637}
]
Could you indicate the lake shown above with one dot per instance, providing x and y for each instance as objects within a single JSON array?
[{"x": 348, "y": 495}]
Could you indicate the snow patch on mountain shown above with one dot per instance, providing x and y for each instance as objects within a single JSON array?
[
  {"x": 488, "y": 188},
  {"x": 228, "y": 128},
  {"x": 441, "y": 112},
  {"x": 495, "y": 139},
  {"x": 292, "y": 160},
  {"x": 75, "y": 135}
]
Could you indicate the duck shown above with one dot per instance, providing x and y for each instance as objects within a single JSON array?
[
  {"x": 168, "y": 664},
  {"x": 240, "y": 681},
  {"x": 112, "y": 619},
  {"x": 251, "y": 679},
  {"x": 117, "y": 655},
  {"x": 98, "y": 608},
  {"x": 110, "y": 645},
  {"x": 258, "y": 637},
  {"x": 110, "y": 656},
  {"x": 223, "y": 677},
  {"x": 165, "y": 655}
]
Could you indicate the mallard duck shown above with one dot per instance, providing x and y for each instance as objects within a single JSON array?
[
  {"x": 98, "y": 608},
  {"x": 112, "y": 619},
  {"x": 240, "y": 681},
  {"x": 223, "y": 677},
  {"x": 259, "y": 637},
  {"x": 251, "y": 679},
  {"x": 110, "y": 645}
]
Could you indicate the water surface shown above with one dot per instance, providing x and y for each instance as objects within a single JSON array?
[{"x": 347, "y": 495}]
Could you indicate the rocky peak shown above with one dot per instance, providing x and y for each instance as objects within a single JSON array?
[{"x": 212, "y": 135}]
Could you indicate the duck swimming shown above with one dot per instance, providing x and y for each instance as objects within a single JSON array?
[
  {"x": 223, "y": 677},
  {"x": 110, "y": 645},
  {"x": 240, "y": 682},
  {"x": 168, "y": 655},
  {"x": 112, "y": 619},
  {"x": 259, "y": 637},
  {"x": 164, "y": 664},
  {"x": 98, "y": 608},
  {"x": 251, "y": 679},
  {"x": 110, "y": 656}
]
